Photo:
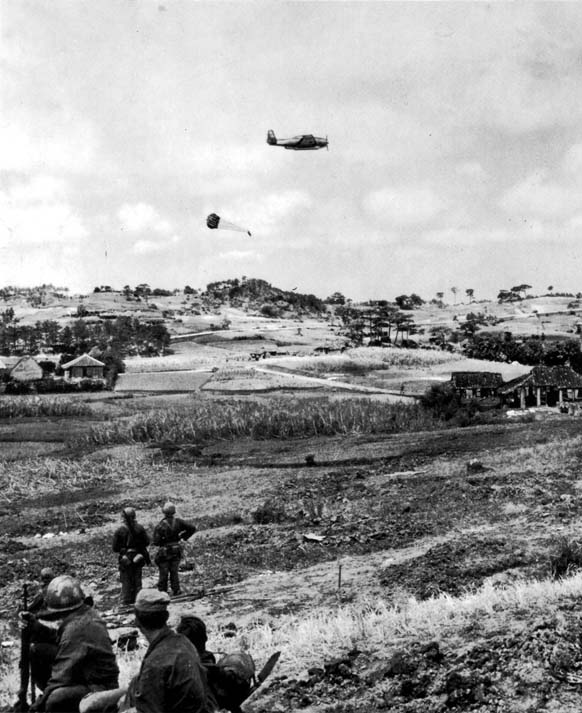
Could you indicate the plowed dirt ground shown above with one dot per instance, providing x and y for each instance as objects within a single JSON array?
[{"x": 305, "y": 526}]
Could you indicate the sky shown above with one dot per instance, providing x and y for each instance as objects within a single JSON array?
[{"x": 455, "y": 145}]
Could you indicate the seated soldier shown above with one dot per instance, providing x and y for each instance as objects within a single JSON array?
[
  {"x": 84, "y": 661},
  {"x": 193, "y": 628},
  {"x": 171, "y": 678},
  {"x": 231, "y": 680}
]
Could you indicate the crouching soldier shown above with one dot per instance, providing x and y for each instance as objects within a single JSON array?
[
  {"x": 84, "y": 660},
  {"x": 171, "y": 678},
  {"x": 232, "y": 680},
  {"x": 130, "y": 542},
  {"x": 168, "y": 537}
]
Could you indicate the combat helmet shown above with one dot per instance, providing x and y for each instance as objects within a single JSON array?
[
  {"x": 129, "y": 513},
  {"x": 63, "y": 596},
  {"x": 169, "y": 509},
  {"x": 46, "y": 575}
]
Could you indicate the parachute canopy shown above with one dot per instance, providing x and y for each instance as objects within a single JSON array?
[{"x": 215, "y": 221}]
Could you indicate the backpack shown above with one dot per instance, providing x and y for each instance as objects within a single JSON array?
[{"x": 233, "y": 679}]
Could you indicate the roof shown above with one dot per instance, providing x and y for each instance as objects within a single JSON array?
[
  {"x": 476, "y": 379},
  {"x": 83, "y": 360},
  {"x": 560, "y": 377}
]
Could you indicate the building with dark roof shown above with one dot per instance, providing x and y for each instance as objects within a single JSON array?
[
  {"x": 476, "y": 384},
  {"x": 543, "y": 386}
]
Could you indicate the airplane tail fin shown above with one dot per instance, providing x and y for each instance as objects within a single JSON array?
[{"x": 271, "y": 138}]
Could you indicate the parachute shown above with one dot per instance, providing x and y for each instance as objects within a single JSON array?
[{"x": 214, "y": 221}]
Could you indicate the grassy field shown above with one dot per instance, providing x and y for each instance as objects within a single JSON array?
[
  {"x": 437, "y": 565},
  {"x": 350, "y": 532}
]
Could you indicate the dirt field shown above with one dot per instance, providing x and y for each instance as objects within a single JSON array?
[{"x": 328, "y": 527}]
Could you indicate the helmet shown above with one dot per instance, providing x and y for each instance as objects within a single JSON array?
[
  {"x": 169, "y": 509},
  {"x": 46, "y": 574},
  {"x": 194, "y": 629},
  {"x": 63, "y": 595},
  {"x": 128, "y": 513}
]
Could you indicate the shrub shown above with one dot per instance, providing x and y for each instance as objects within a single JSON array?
[
  {"x": 269, "y": 511},
  {"x": 566, "y": 558}
]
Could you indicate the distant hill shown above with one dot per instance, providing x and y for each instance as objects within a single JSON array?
[{"x": 261, "y": 296}]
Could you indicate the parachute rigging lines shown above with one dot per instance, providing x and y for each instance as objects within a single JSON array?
[{"x": 214, "y": 222}]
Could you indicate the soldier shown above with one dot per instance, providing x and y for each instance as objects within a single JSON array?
[
  {"x": 232, "y": 679},
  {"x": 40, "y": 641},
  {"x": 193, "y": 628},
  {"x": 131, "y": 542},
  {"x": 171, "y": 678},
  {"x": 84, "y": 660},
  {"x": 168, "y": 535}
]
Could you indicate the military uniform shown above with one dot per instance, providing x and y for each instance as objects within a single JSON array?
[
  {"x": 40, "y": 641},
  {"x": 168, "y": 535},
  {"x": 85, "y": 660},
  {"x": 171, "y": 678},
  {"x": 130, "y": 542}
]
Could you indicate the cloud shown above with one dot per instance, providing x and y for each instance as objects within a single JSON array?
[
  {"x": 38, "y": 212},
  {"x": 137, "y": 217},
  {"x": 147, "y": 247},
  {"x": 264, "y": 213},
  {"x": 538, "y": 196},
  {"x": 403, "y": 206},
  {"x": 572, "y": 162},
  {"x": 471, "y": 169},
  {"x": 236, "y": 255}
]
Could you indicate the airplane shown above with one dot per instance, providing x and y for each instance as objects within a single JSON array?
[{"x": 305, "y": 142}]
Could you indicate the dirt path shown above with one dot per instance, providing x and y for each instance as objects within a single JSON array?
[{"x": 392, "y": 397}]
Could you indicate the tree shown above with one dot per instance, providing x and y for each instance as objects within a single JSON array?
[
  {"x": 550, "y": 288},
  {"x": 454, "y": 290},
  {"x": 336, "y": 299},
  {"x": 470, "y": 292},
  {"x": 440, "y": 295}
]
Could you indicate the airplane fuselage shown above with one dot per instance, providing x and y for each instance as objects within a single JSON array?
[{"x": 304, "y": 142}]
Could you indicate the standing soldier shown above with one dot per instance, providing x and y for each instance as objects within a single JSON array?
[
  {"x": 130, "y": 542},
  {"x": 168, "y": 536},
  {"x": 84, "y": 660}
]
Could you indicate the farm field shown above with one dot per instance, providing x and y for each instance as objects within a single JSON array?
[{"x": 444, "y": 599}]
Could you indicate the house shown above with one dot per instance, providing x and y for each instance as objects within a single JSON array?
[
  {"x": 26, "y": 369},
  {"x": 476, "y": 384},
  {"x": 543, "y": 386},
  {"x": 84, "y": 367}
]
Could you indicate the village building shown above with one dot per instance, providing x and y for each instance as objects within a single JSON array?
[
  {"x": 84, "y": 367},
  {"x": 543, "y": 386},
  {"x": 26, "y": 369},
  {"x": 476, "y": 384}
]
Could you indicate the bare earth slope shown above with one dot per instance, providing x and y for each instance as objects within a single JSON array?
[{"x": 374, "y": 522}]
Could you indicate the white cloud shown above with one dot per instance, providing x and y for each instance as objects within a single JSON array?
[
  {"x": 538, "y": 196},
  {"x": 69, "y": 147},
  {"x": 403, "y": 206},
  {"x": 572, "y": 161},
  {"x": 147, "y": 247},
  {"x": 137, "y": 217},
  {"x": 235, "y": 255},
  {"x": 471, "y": 169},
  {"x": 38, "y": 212},
  {"x": 264, "y": 213}
]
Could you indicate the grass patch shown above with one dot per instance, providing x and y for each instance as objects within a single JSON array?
[
  {"x": 35, "y": 477},
  {"x": 365, "y": 359},
  {"x": 277, "y": 418},
  {"x": 18, "y": 406}
]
